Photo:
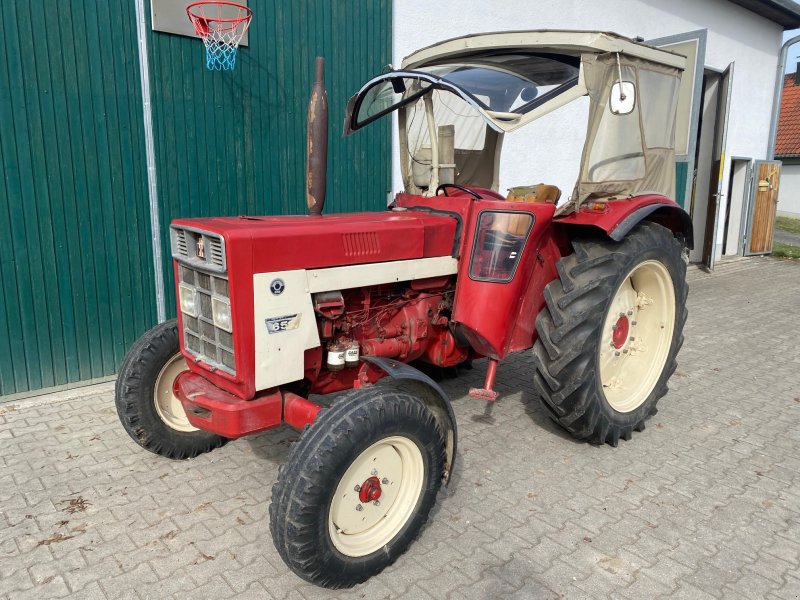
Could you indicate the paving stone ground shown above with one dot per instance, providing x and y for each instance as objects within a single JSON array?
[{"x": 704, "y": 504}]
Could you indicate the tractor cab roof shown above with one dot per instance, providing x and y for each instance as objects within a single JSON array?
[
  {"x": 456, "y": 99},
  {"x": 511, "y": 78}
]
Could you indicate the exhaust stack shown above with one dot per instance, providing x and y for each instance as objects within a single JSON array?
[{"x": 317, "y": 142}]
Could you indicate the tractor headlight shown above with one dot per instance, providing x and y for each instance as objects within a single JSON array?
[
  {"x": 221, "y": 313},
  {"x": 188, "y": 300}
]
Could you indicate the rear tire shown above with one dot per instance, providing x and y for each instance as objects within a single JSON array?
[
  {"x": 610, "y": 332},
  {"x": 321, "y": 528},
  {"x": 147, "y": 408}
]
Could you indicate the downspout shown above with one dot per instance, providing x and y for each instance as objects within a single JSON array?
[
  {"x": 150, "y": 157},
  {"x": 776, "y": 100}
]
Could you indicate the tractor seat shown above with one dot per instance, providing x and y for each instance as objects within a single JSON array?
[
  {"x": 541, "y": 192},
  {"x": 517, "y": 225}
]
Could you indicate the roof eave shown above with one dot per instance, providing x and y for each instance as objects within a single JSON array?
[{"x": 785, "y": 13}]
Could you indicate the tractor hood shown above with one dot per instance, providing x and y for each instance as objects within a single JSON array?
[{"x": 286, "y": 242}]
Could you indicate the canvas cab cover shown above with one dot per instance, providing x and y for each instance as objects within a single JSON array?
[{"x": 477, "y": 88}]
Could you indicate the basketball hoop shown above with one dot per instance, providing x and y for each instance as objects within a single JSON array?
[{"x": 222, "y": 25}]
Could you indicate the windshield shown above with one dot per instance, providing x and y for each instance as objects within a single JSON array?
[
  {"x": 512, "y": 82},
  {"x": 509, "y": 82}
]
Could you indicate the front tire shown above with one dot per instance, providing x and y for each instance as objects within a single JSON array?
[
  {"x": 357, "y": 487},
  {"x": 610, "y": 333},
  {"x": 148, "y": 409}
]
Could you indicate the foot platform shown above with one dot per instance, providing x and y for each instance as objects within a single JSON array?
[{"x": 487, "y": 392}]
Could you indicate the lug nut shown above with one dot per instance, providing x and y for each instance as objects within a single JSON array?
[
  {"x": 630, "y": 312},
  {"x": 633, "y": 338},
  {"x": 633, "y": 322},
  {"x": 377, "y": 503},
  {"x": 625, "y": 351},
  {"x": 614, "y": 328},
  {"x": 359, "y": 508},
  {"x": 385, "y": 481},
  {"x": 616, "y": 353},
  {"x": 374, "y": 472},
  {"x": 357, "y": 488}
]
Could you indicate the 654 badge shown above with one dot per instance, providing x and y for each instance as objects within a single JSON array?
[{"x": 284, "y": 323}]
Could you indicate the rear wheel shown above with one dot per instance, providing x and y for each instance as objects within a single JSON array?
[
  {"x": 610, "y": 332},
  {"x": 147, "y": 407},
  {"x": 357, "y": 487}
]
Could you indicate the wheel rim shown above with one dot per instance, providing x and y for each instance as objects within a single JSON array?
[
  {"x": 637, "y": 335},
  {"x": 358, "y": 527},
  {"x": 168, "y": 406}
]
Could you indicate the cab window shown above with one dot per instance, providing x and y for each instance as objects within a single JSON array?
[{"x": 499, "y": 241}]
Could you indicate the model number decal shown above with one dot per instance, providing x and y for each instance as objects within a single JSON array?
[{"x": 284, "y": 323}]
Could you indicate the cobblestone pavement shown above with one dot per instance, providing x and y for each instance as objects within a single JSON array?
[{"x": 704, "y": 504}]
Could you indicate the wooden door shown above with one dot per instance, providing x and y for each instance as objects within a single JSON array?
[{"x": 763, "y": 205}]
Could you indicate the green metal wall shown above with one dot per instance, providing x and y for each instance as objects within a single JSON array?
[
  {"x": 75, "y": 242},
  {"x": 231, "y": 143},
  {"x": 75, "y": 255}
]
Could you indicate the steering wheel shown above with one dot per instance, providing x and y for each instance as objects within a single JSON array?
[
  {"x": 610, "y": 160},
  {"x": 444, "y": 187}
]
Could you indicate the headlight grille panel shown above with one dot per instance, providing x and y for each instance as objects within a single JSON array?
[{"x": 202, "y": 338}]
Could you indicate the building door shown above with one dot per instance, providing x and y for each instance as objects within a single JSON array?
[
  {"x": 740, "y": 180},
  {"x": 692, "y": 45},
  {"x": 763, "y": 204},
  {"x": 715, "y": 194}
]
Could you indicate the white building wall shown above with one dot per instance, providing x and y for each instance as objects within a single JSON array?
[
  {"x": 550, "y": 149},
  {"x": 789, "y": 191}
]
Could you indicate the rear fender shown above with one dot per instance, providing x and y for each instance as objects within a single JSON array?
[
  {"x": 425, "y": 388},
  {"x": 619, "y": 217}
]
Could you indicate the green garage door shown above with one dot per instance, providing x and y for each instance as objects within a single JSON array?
[
  {"x": 75, "y": 242},
  {"x": 76, "y": 268},
  {"x": 234, "y": 143}
]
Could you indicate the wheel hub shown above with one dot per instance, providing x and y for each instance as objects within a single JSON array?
[
  {"x": 621, "y": 331},
  {"x": 370, "y": 490},
  {"x": 376, "y": 496},
  {"x": 637, "y": 334},
  {"x": 168, "y": 406}
]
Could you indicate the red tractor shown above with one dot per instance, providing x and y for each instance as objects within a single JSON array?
[{"x": 275, "y": 311}]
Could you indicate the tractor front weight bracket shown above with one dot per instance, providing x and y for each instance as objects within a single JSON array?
[{"x": 217, "y": 411}]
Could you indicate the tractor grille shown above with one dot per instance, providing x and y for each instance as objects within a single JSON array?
[
  {"x": 201, "y": 337},
  {"x": 197, "y": 248}
]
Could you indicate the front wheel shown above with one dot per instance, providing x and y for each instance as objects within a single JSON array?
[
  {"x": 357, "y": 487},
  {"x": 610, "y": 333},
  {"x": 148, "y": 408}
]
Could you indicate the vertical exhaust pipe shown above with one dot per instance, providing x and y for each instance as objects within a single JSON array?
[{"x": 317, "y": 142}]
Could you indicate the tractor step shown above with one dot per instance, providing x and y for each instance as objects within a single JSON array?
[
  {"x": 483, "y": 394},
  {"x": 487, "y": 391}
]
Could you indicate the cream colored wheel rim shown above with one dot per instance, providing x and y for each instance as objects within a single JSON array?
[
  {"x": 359, "y": 528},
  {"x": 168, "y": 407},
  {"x": 637, "y": 335}
]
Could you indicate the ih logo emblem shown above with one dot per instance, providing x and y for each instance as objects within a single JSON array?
[
  {"x": 277, "y": 286},
  {"x": 200, "y": 247}
]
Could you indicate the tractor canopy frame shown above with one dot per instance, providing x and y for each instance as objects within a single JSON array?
[{"x": 457, "y": 99}]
